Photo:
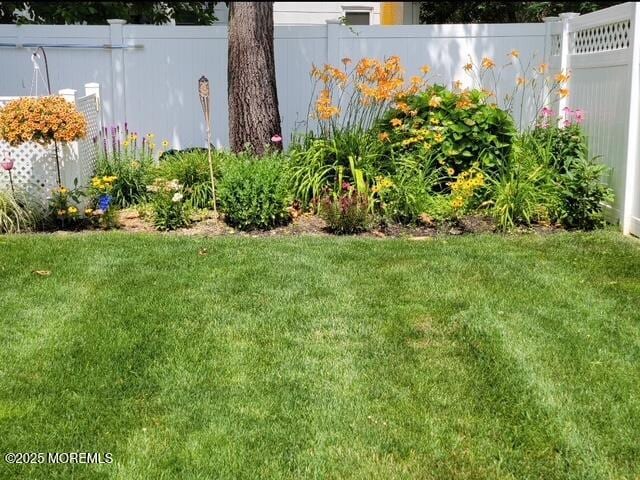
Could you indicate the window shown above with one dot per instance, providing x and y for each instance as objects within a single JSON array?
[{"x": 357, "y": 18}]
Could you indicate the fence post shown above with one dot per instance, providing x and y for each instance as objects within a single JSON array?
[
  {"x": 565, "y": 18},
  {"x": 69, "y": 94},
  {"x": 549, "y": 22},
  {"x": 118, "y": 99},
  {"x": 333, "y": 41},
  {"x": 631, "y": 187}
]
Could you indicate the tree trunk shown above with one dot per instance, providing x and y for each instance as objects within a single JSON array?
[{"x": 251, "y": 76}]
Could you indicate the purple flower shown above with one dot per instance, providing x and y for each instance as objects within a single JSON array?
[{"x": 547, "y": 112}]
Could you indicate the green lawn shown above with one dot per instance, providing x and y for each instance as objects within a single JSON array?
[{"x": 461, "y": 357}]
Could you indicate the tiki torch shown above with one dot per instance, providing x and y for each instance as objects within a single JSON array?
[{"x": 203, "y": 92}]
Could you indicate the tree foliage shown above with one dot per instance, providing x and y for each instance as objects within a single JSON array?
[
  {"x": 501, "y": 12},
  {"x": 97, "y": 13}
]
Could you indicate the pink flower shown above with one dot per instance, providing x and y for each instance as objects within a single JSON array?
[
  {"x": 7, "y": 164},
  {"x": 276, "y": 138},
  {"x": 578, "y": 115},
  {"x": 567, "y": 123},
  {"x": 547, "y": 112}
]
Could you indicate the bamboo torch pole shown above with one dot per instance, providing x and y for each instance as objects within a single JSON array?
[{"x": 203, "y": 92}]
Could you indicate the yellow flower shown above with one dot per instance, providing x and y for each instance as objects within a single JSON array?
[
  {"x": 561, "y": 77},
  {"x": 425, "y": 69},
  {"x": 457, "y": 203},
  {"x": 434, "y": 121},
  {"x": 72, "y": 210},
  {"x": 435, "y": 101},
  {"x": 543, "y": 67},
  {"x": 62, "y": 213},
  {"x": 438, "y": 138},
  {"x": 165, "y": 143},
  {"x": 413, "y": 113},
  {"x": 88, "y": 211},
  {"x": 563, "y": 92},
  {"x": 514, "y": 53},
  {"x": 395, "y": 122},
  {"x": 488, "y": 63},
  {"x": 383, "y": 136},
  {"x": 450, "y": 171},
  {"x": 520, "y": 80},
  {"x": 468, "y": 67},
  {"x": 457, "y": 84}
]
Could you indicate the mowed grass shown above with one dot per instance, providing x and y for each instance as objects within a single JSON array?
[{"x": 463, "y": 357}]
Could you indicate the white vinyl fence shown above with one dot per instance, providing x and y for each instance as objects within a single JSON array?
[
  {"x": 148, "y": 74},
  {"x": 602, "y": 52}
]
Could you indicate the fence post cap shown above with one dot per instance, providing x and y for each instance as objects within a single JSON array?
[
  {"x": 116, "y": 21},
  {"x": 568, "y": 15},
  {"x": 550, "y": 19}
]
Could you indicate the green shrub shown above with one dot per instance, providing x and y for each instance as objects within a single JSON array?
[
  {"x": 583, "y": 194},
  {"x": 254, "y": 193},
  {"x": 346, "y": 212},
  {"x": 191, "y": 169},
  {"x": 167, "y": 201},
  {"x": 460, "y": 128},
  {"x": 579, "y": 180},
  {"x": 18, "y": 213}
]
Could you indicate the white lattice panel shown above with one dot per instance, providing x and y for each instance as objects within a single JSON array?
[
  {"x": 35, "y": 166},
  {"x": 87, "y": 147},
  {"x": 603, "y": 38},
  {"x": 556, "y": 45}
]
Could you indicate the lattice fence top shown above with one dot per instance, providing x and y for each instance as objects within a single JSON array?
[
  {"x": 34, "y": 168},
  {"x": 603, "y": 38}
]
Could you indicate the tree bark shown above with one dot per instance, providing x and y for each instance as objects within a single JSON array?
[{"x": 253, "y": 99}]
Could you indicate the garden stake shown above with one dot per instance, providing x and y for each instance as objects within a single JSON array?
[
  {"x": 203, "y": 91},
  {"x": 7, "y": 164}
]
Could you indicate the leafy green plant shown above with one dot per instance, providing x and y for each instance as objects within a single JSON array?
[
  {"x": 461, "y": 129},
  {"x": 63, "y": 209},
  {"x": 405, "y": 195},
  {"x": 583, "y": 194},
  {"x": 167, "y": 201},
  {"x": 254, "y": 193},
  {"x": 317, "y": 162},
  {"x": 191, "y": 169},
  {"x": 526, "y": 191},
  {"x": 346, "y": 212},
  {"x": 18, "y": 213}
]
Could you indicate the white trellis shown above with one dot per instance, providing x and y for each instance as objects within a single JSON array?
[{"x": 34, "y": 165}]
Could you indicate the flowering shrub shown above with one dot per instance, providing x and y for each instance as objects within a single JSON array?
[
  {"x": 102, "y": 211},
  {"x": 129, "y": 158},
  {"x": 346, "y": 212},
  {"x": 460, "y": 128},
  {"x": 169, "y": 212},
  {"x": 355, "y": 97},
  {"x": 41, "y": 120}
]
